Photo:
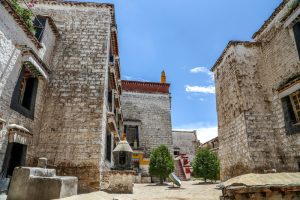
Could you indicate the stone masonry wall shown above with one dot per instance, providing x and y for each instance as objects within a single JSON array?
[
  {"x": 233, "y": 148},
  {"x": 245, "y": 125},
  {"x": 281, "y": 64},
  {"x": 12, "y": 35},
  {"x": 154, "y": 112},
  {"x": 247, "y": 81},
  {"x": 186, "y": 141},
  {"x": 74, "y": 118},
  {"x": 261, "y": 141}
]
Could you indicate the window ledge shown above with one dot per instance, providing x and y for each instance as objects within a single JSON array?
[
  {"x": 292, "y": 18},
  {"x": 289, "y": 89}
]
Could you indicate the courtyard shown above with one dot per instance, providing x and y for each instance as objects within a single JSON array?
[
  {"x": 188, "y": 191},
  {"x": 101, "y": 98}
]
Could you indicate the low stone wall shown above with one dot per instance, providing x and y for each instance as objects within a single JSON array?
[
  {"x": 146, "y": 179},
  {"x": 36, "y": 183},
  {"x": 284, "y": 186},
  {"x": 141, "y": 178},
  {"x": 117, "y": 181},
  {"x": 137, "y": 178}
]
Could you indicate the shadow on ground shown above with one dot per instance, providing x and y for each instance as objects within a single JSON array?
[
  {"x": 203, "y": 183},
  {"x": 152, "y": 185},
  {"x": 175, "y": 188}
]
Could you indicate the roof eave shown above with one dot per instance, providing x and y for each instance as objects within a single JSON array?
[
  {"x": 269, "y": 20},
  {"x": 230, "y": 44},
  {"x": 7, "y": 5}
]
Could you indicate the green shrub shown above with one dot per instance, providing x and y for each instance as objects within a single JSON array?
[
  {"x": 161, "y": 163},
  {"x": 25, "y": 14},
  {"x": 206, "y": 165}
]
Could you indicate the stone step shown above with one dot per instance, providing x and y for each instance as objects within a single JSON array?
[{"x": 179, "y": 171}]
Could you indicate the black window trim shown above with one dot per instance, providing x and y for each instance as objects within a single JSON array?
[
  {"x": 296, "y": 32},
  {"x": 108, "y": 146},
  {"x": 15, "y": 105},
  {"x": 291, "y": 126}
]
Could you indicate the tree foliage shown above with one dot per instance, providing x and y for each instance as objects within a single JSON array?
[
  {"x": 161, "y": 163},
  {"x": 24, "y": 13},
  {"x": 206, "y": 165}
]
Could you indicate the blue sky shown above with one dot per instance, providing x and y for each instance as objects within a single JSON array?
[{"x": 185, "y": 38}]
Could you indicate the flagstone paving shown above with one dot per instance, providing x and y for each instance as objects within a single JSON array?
[{"x": 190, "y": 190}]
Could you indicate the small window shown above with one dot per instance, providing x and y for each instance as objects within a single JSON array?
[
  {"x": 110, "y": 96},
  {"x": 108, "y": 146},
  {"x": 109, "y": 99},
  {"x": 296, "y": 30},
  {"x": 111, "y": 56},
  {"x": 122, "y": 158},
  {"x": 176, "y": 151},
  {"x": 132, "y": 135},
  {"x": 295, "y": 100},
  {"x": 39, "y": 24},
  {"x": 24, "y": 95}
]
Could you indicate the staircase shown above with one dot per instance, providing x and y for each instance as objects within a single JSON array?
[{"x": 179, "y": 170}]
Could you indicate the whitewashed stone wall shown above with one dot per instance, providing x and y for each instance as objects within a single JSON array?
[
  {"x": 48, "y": 43},
  {"x": 186, "y": 141},
  {"x": 72, "y": 134},
  {"x": 12, "y": 35},
  {"x": 252, "y": 131},
  {"x": 154, "y": 112}
]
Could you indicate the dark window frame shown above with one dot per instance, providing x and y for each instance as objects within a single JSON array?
[
  {"x": 108, "y": 146},
  {"x": 122, "y": 158},
  {"x": 136, "y": 127},
  {"x": 15, "y": 101},
  {"x": 296, "y": 31},
  {"x": 291, "y": 124},
  {"x": 39, "y": 24}
]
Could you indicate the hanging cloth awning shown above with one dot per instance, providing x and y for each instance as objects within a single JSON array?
[
  {"x": 19, "y": 134},
  {"x": 34, "y": 63}
]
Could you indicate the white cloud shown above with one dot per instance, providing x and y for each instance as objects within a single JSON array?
[
  {"x": 203, "y": 70},
  {"x": 205, "y": 132},
  {"x": 201, "y": 99},
  {"x": 212, "y": 77},
  {"x": 127, "y": 77},
  {"x": 200, "y": 89},
  {"x": 131, "y": 78},
  {"x": 199, "y": 70}
]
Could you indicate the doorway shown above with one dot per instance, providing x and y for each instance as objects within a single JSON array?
[{"x": 15, "y": 156}]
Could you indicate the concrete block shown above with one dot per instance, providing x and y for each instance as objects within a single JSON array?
[
  {"x": 117, "y": 181},
  {"x": 40, "y": 184}
]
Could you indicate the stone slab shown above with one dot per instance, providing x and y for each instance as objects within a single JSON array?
[{"x": 34, "y": 184}]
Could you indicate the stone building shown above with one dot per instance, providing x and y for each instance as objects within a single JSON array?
[
  {"x": 60, "y": 89},
  {"x": 147, "y": 117},
  {"x": 257, "y": 92},
  {"x": 24, "y": 78},
  {"x": 185, "y": 142},
  {"x": 212, "y": 145}
]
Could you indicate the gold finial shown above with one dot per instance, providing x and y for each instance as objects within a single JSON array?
[{"x": 163, "y": 78}]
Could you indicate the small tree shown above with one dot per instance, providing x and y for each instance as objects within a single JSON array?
[
  {"x": 206, "y": 165},
  {"x": 161, "y": 163}
]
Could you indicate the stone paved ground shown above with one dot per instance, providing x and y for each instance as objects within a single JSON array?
[{"x": 190, "y": 190}]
